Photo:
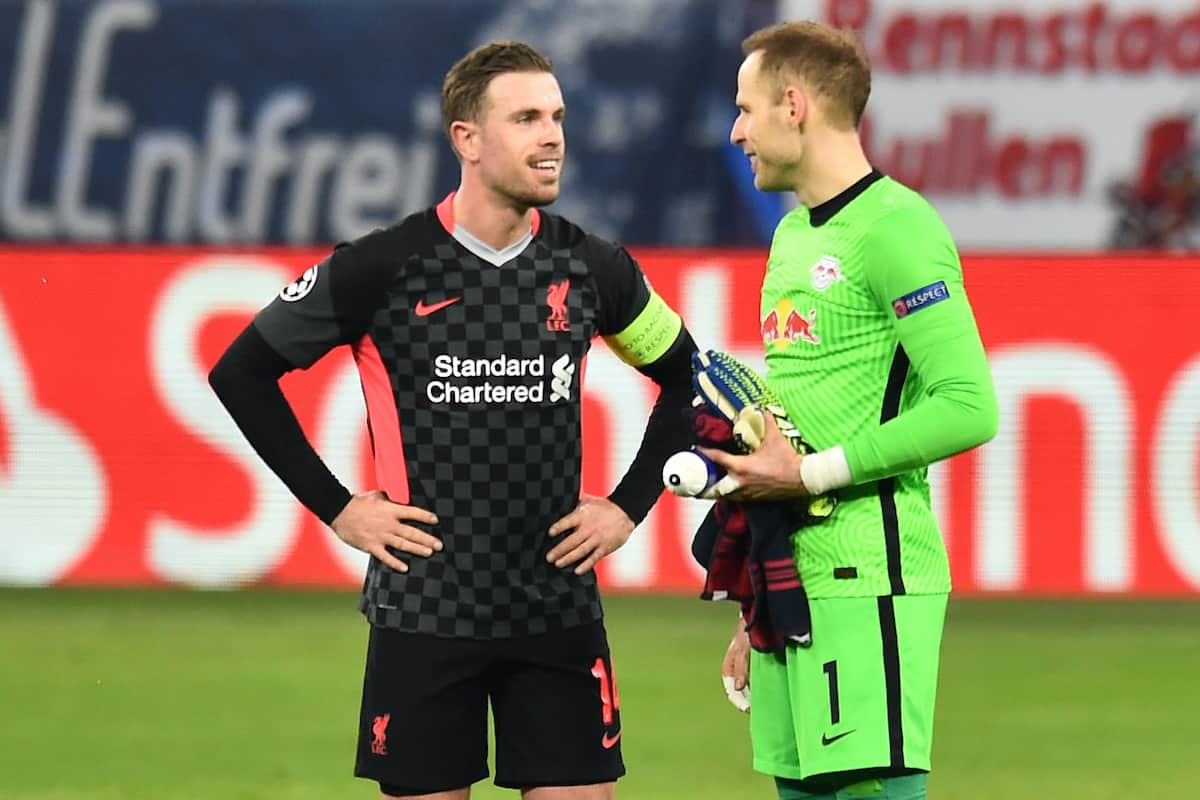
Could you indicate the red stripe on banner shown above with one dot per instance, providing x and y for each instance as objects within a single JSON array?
[{"x": 1094, "y": 357}]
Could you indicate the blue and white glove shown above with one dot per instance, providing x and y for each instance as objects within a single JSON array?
[{"x": 739, "y": 394}]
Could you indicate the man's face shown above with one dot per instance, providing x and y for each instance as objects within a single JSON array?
[
  {"x": 521, "y": 142},
  {"x": 765, "y": 129}
]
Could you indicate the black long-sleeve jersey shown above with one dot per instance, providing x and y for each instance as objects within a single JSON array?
[{"x": 471, "y": 361}]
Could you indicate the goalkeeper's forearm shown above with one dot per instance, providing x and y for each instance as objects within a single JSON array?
[
  {"x": 958, "y": 412},
  {"x": 666, "y": 430}
]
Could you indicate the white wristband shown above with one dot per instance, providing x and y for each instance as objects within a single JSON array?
[{"x": 825, "y": 470}]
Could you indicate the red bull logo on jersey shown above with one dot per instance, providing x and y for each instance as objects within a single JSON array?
[
  {"x": 921, "y": 298},
  {"x": 784, "y": 324},
  {"x": 556, "y": 298},
  {"x": 826, "y": 273}
]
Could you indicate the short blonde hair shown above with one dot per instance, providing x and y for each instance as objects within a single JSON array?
[{"x": 830, "y": 61}]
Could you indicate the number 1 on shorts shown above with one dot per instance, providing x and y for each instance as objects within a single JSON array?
[{"x": 835, "y": 712}]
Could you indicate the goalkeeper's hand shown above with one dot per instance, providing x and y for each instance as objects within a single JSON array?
[
  {"x": 761, "y": 427},
  {"x": 770, "y": 472}
]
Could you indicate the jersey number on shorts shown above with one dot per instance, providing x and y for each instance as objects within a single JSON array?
[
  {"x": 835, "y": 711},
  {"x": 609, "y": 700}
]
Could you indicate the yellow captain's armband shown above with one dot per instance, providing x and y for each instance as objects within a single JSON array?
[{"x": 650, "y": 334}]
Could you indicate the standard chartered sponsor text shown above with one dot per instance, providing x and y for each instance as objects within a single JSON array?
[{"x": 503, "y": 366}]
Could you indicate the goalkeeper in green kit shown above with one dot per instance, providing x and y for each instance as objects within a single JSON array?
[{"x": 873, "y": 352}]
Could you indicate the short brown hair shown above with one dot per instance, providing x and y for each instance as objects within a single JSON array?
[
  {"x": 468, "y": 80},
  {"x": 831, "y": 61}
]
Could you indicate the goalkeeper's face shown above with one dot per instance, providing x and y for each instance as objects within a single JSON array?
[
  {"x": 767, "y": 128},
  {"x": 518, "y": 143}
]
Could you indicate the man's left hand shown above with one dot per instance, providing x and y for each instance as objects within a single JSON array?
[{"x": 598, "y": 527}]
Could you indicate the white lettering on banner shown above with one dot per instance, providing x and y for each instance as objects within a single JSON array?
[
  {"x": 1174, "y": 479},
  {"x": 371, "y": 175},
  {"x": 374, "y": 178},
  {"x": 155, "y": 153},
  {"x": 89, "y": 117},
  {"x": 224, "y": 150},
  {"x": 179, "y": 551},
  {"x": 318, "y": 157},
  {"x": 1096, "y": 386},
  {"x": 53, "y": 489},
  {"x": 21, "y": 220},
  {"x": 269, "y": 159}
]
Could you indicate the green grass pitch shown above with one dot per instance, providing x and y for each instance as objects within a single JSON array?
[{"x": 132, "y": 695}]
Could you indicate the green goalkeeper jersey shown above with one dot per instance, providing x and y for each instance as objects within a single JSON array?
[{"x": 872, "y": 345}]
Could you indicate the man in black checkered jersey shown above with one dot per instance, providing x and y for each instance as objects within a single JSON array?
[{"x": 470, "y": 323}]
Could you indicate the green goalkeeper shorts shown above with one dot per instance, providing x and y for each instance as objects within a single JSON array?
[{"x": 860, "y": 698}]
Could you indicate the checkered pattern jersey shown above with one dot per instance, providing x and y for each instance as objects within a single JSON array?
[{"x": 496, "y": 456}]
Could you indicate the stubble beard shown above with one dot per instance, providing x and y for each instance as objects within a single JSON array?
[{"x": 522, "y": 197}]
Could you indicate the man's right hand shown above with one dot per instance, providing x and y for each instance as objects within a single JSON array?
[{"x": 372, "y": 523}]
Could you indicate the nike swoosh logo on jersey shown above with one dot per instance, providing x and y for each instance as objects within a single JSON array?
[
  {"x": 828, "y": 740},
  {"x": 607, "y": 742},
  {"x": 425, "y": 310}
]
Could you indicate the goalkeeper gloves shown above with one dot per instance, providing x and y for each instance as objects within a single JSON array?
[{"x": 739, "y": 394}]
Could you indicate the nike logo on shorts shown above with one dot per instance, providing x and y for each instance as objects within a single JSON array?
[
  {"x": 828, "y": 740},
  {"x": 425, "y": 310},
  {"x": 608, "y": 742}
]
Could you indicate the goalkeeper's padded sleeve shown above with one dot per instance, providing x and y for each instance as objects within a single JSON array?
[
  {"x": 667, "y": 430},
  {"x": 246, "y": 380},
  {"x": 940, "y": 343}
]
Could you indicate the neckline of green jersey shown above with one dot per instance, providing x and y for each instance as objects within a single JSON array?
[{"x": 819, "y": 214}]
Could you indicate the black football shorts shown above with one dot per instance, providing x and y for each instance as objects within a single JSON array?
[{"x": 423, "y": 723}]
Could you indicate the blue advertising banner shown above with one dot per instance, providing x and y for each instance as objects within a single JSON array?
[{"x": 307, "y": 121}]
